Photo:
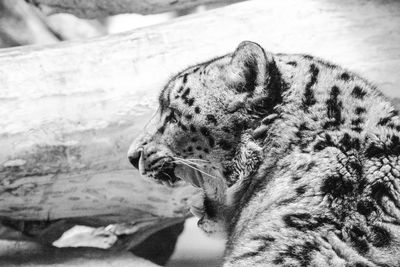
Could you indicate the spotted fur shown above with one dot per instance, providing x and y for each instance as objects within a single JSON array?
[{"x": 306, "y": 156}]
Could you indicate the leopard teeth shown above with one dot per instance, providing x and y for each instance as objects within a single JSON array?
[
  {"x": 166, "y": 183},
  {"x": 142, "y": 170}
]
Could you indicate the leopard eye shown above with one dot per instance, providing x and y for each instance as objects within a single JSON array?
[{"x": 173, "y": 116}]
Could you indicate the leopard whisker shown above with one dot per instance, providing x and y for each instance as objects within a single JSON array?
[
  {"x": 197, "y": 169},
  {"x": 193, "y": 159},
  {"x": 187, "y": 161}
]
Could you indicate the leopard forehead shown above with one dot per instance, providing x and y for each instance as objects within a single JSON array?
[{"x": 196, "y": 86}]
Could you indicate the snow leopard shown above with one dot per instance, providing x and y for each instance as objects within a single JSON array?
[{"x": 297, "y": 158}]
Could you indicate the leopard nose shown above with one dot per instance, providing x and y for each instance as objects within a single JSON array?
[{"x": 134, "y": 159}]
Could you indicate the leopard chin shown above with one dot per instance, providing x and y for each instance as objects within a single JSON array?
[{"x": 211, "y": 187}]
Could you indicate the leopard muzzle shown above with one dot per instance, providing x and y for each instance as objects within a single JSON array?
[{"x": 163, "y": 167}]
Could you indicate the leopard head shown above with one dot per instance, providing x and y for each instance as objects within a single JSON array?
[{"x": 204, "y": 130}]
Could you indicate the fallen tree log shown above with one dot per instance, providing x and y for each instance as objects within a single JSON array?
[
  {"x": 102, "y": 8},
  {"x": 69, "y": 111}
]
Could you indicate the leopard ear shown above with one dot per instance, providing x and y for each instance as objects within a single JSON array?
[{"x": 248, "y": 68}]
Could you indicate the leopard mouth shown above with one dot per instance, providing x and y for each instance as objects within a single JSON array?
[
  {"x": 166, "y": 177},
  {"x": 169, "y": 174}
]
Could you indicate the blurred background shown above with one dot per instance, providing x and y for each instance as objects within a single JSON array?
[{"x": 22, "y": 24}]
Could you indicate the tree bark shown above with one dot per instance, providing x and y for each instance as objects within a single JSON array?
[
  {"x": 69, "y": 111},
  {"x": 102, "y": 8}
]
